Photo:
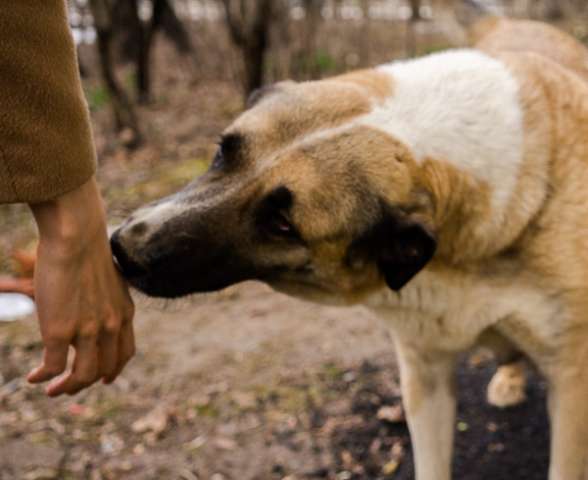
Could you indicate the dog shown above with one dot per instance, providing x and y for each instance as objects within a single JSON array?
[{"x": 448, "y": 194}]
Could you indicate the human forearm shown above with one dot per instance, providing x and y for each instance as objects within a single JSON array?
[
  {"x": 81, "y": 299},
  {"x": 46, "y": 146}
]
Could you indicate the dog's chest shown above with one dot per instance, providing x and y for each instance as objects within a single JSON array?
[{"x": 449, "y": 314}]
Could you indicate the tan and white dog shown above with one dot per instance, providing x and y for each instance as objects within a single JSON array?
[{"x": 447, "y": 193}]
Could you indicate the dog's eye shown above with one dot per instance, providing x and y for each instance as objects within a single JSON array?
[
  {"x": 218, "y": 159},
  {"x": 277, "y": 224},
  {"x": 272, "y": 215}
]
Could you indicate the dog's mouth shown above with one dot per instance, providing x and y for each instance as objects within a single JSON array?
[{"x": 171, "y": 276}]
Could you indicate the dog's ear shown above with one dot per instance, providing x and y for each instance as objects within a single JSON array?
[
  {"x": 400, "y": 247},
  {"x": 409, "y": 248},
  {"x": 256, "y": 95}
]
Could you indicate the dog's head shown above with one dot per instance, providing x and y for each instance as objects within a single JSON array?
[{"x": 300, "y": 195}]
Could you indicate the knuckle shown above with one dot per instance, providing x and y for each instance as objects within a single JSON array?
[
  {"x": 89, "y": 331},
  {"x": 86, "y": 376},
  {"x": 53, "y": 370},
  {"x": 84, "y": 380},
  {"x": 112, "y": 326}
]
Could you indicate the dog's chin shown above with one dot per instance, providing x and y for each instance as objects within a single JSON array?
[
  {"x": 308, "y": 292},
  {"x": 160, "y": 287}
]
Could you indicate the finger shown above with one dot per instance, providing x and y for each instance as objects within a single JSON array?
[
  {"x": 126, "y": 350},
  {"x": 84, "y": 372},
  {"x": 54, "y": 362},
  {"x": 108, "y": 352}
]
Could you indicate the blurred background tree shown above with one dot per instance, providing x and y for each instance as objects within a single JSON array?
[
  {"x": 163, "y": 78},
  {"x": 252, "y": 42}
]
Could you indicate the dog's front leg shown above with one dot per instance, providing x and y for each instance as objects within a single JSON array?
[
  {"x": 428, "y": 392},
  {"x": 568, "y": 411}
]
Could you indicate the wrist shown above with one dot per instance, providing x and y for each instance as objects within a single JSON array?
[{"x": 68, "y": 222}]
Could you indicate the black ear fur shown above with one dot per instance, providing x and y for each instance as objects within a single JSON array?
[
  {"x": 409, "y": 248},
  {"x": 256, "y": 95},
  {"x": 401, "y": 248}
]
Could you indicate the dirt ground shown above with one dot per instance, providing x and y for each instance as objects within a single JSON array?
[
  {"x": 240, "y": 385},
  {"x": 250, "y": 384}
]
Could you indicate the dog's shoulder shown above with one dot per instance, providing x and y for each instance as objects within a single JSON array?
[{"x": 460, "y": 106}]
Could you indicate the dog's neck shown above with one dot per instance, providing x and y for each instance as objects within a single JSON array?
[{"x": 460, "y": 211}]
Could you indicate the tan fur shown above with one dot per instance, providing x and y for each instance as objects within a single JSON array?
[
  {"x": 515, "y": 277},
  {"x": 296, "y": 110},
  {"x": 377, "y": 84},
  {"x": 501, "y": 35}
]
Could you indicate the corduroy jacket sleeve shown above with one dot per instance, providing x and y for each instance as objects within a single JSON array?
[{"x": 46, "y": 145}]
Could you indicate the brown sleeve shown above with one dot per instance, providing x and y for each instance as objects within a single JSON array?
[{"x": 46, "y": 145}]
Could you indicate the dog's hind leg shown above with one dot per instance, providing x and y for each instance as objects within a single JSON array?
[
  {"x": 428, "y": 392},
  {"x": 508, "y": 385}
]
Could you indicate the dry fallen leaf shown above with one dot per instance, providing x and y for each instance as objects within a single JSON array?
[
  {"x": 225, "y": 443},
  {"x": 391, "y": 413},
  {"x": 156, "y": 421}
]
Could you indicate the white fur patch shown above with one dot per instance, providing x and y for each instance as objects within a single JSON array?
[{"x": 459, "y": 106}]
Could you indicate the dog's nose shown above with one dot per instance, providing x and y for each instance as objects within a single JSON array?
[{"x": 128, "y": 266}]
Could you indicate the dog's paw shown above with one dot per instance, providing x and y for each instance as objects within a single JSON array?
[{"x": 507, "y": 387}]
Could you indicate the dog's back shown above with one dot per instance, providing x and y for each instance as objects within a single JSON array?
[{"x": 497, "y": 34}]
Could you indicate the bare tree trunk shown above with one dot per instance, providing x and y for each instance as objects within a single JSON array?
[
  {"x": 365, "y": 32},
  {"x": 164, "y": 17},
  {"x": 553, "y": 10},
  {"x": 124, "y": 113},
  {"x": 415, "y": 7},
  {"x": 410, "y": 39},
  {"x": 137, "y": 37},
  {"x": 249, "y": 29},
  {"x": 314, "y": 17},
  {"x": 337, "y": 6},
  {"x": 281, "y": 41}
]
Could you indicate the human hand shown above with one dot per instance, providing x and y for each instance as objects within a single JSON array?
[{"x": 81, "y": 298}]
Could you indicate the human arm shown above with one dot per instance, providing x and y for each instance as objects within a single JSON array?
[{"x": 81, "y": 299}]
